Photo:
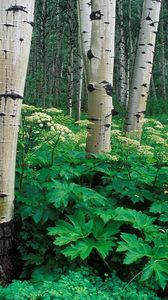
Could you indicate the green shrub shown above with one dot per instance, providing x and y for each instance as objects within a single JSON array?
[
  {"x": 77, "y": 207},
  {"x": 77, "y": 285}
]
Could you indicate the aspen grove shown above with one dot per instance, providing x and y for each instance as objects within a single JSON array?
[{"x": 83, "y": 149}]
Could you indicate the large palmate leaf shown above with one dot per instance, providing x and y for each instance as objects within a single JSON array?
[
  {"x": 83, "y": 248},
  {"x": 104, "y": 232},
  {"x": 84, "y": 235},
  {"x": 85, "y": 194},
  {"x": 134, "y": 247},
  {"x": 80, "y": 249},
  {"x": 161, "y": 207},
  {"x": 157, "y": 268},
  {"x": 139, "y": 221},
  {"x": 58, "y": 192},
  {"x": 157, "y": 256},
  {"x": 66, "y": 232}
]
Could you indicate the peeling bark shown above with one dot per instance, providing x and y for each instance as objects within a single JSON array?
[{"x": 143, "y": 67}]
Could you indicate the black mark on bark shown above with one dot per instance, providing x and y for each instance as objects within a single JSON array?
[
  {"x": 96, "y": 15},
  {"x": 91, "y": 87},
  {"x": 16, "y": 8},
  {"x": 90, "y": 54},
  {"x": 12, "y": 95}
]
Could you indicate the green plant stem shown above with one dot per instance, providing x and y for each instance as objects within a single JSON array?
[{"x": 53, "y": 150}]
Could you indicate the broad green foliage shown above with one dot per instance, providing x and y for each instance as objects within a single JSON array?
[
  {"x": 73, "y": 208},
  {"x": 101, "y": 236},
  {"x": 139, "y": 221},
  {"x": 78, "y": 285},
  {"x": 157, "y": 255}
]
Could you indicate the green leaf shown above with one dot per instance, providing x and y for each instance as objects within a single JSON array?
[
  {"x": 136, "y": 248},
  {"x": 105, "y": 215},
  {"x": 157, "y": 255},
  {"x": 59, "y": 193},
  {"x": 156, "y": 268},
  {"x": 88, "y": 195},
  {"x": 32, "y": 259},
  {"x": 138, "y": 220},
  {"x": 104, "y": 232},
  {"x": 104, "y": 247},
  {"x": 81, "y": 248},
  {"x": 78, "y": 229}
]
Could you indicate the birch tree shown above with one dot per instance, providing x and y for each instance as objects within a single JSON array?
[
  {"x": 15, "y": 37},
  {"x": 70, "y": 70},
  {"x": 85, "y": 25},
  {"x": 122, "y": 58},
  {"x": 143, "y": 67},
  {"x": 101, "y": 59}
]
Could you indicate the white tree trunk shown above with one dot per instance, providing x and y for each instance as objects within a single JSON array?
[
  {"x": 143, "y": 67},
  {"x": 80, "y": 86},
  {"x": 85, "y": 25},
  {"x": 101, "y": 60},
  {"x": 122, "y": 58},
  {"x": 15, "y": 37}
]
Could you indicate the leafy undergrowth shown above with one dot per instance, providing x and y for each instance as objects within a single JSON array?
[
  {"x": 109, "y": 211},
  {"x": 77, "y": 285}
]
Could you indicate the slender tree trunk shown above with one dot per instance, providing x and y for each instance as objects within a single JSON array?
[
  {"x": 70, "y": 74},
  {"x": 163, "y": 57},
  {"x": 101, "y": 60},
  {"x": 80, "y": 86},
  {"x": 143, "y": 67},
  {"x": 15, "y": 38},
  {"x": 85, "y": 25},
  {"x": 44, "y": 18},
  {"x": 122, "y": 58},
  {"x": 153, "y": 89},
  {"x": 70, "y": 81}
]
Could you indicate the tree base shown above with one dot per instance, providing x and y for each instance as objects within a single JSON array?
[{"x": 6, "y": 246}]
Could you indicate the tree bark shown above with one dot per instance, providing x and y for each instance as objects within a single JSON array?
[
  {"x": 163, "y": 57},
  {"x": 101, "y": 59},
  {"x": 85, "y": 25},
  {"x": 6, "y": 249},
  {"x": 122, "y": 58},
  {"x": 70, "y": 71},
  {"x": 80, "y": 86},
  {"x": 143, "y": 67},
  {"x": 15, "y": 37}
]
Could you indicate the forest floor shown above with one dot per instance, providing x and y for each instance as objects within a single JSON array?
[{"x": 89, "y": 228}]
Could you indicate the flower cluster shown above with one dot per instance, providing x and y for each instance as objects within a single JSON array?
[
  {"x": 116, "y": 132},
  {"x": 154, "y": 123},
  {"x": 42, "y": 119},
  {"x": 65, "y": 133},
  {"x": 156, "y": 139},
  {"x": 151, "y": 130},
  {"x": 113, "y": 125},
  {"x": 145, "y": 150},
  {"x": 129, "y": 142},
  {"x": 82, "y": 123},
  {"x": 28, "y": 109},
  {"x": 53, "y": 110},
  {"x": 83, "y": 145},
  {"x": 112, "y": 157}
]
